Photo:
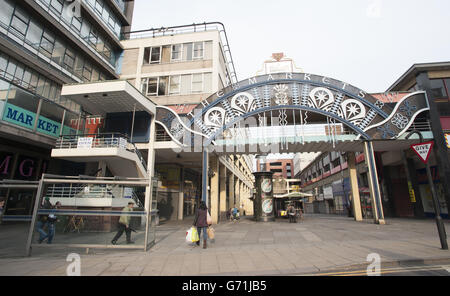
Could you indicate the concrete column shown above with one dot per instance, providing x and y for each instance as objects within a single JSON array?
[
  {"x": 237, "y": 195},
  {"x": 356, "y": 201},
  {"x": 181, "y": 196},
  {"x": 374, "y": 186},
  {"x": 231, "y": 190},
  {"x": 101, "y": 168},
  {"x": 150, "y": 166},
  {"x": 150, "y": 173},
  {"x": 223, "y": 192},
  {"x": 214, "y": 207},
  {"x": 205, "y": 178}
]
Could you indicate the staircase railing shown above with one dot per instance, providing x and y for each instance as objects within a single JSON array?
[{"x": 103, "y": 140}]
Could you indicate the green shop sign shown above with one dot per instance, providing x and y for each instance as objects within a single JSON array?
[{"x": 25, "y": 118}]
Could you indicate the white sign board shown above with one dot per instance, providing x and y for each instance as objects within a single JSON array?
[
  {"x": 423, "y": 150},
  {"x": 122, "y": 143},
  {"x": 84, "y": 143},
  {"x": 127, "y": 192}
]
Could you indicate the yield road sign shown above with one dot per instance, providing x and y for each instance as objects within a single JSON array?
[{"x": 423, "y": 150}]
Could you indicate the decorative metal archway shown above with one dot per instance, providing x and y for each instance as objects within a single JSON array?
[{"x": 368, "y": 117}]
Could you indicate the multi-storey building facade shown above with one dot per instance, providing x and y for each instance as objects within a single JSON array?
[
  {"x": 44, "y": 45},
  {"x": 179, "y": 67}
]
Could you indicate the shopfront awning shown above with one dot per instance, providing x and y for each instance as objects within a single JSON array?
[{"x": 100, "y": 98}]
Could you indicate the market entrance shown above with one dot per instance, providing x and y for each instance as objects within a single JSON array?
[{"x": 294, "y": 113}]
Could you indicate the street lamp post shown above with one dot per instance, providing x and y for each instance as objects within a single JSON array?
[{"x": 437, "y": 210}]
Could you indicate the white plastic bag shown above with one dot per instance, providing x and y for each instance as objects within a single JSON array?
[
  {"x": 189, "y": 236},
  {"x": 208, "y": 218}
]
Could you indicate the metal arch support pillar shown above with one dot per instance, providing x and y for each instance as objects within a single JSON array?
[
  {"x": 205, "y": 178},
  {"x": 374, "y": 185},
  {"x": 150, "y": 174},
  {"x": 214, "y": 191}
]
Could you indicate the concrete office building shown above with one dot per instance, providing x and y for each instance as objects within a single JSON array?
[
  {"x": 180, "y": 67},
  {"x": 46, "y": 44}
]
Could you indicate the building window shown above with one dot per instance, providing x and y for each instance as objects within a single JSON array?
[
  {"x": 57, "y": 5},
  {"x": 438, "y": 88},
  {"x": 20, "y": 21},
  {"x": 198, "y": 50},
  {"x": 47, "y": 43},
  {"x": 176, "y": 52},
  {"x": 34, "y": 34},
  {"x": 174, "y": 84},
  {"x": 6, "y": 11},
  {"x": 152, "y": 89},
  {"x": 87, "y": 71},
  {"x": 152, "y": 55},
  {"x": 197, "y": 83},
  {"x": 187, "y": 51}
]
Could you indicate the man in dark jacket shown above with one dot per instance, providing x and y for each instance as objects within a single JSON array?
[
  {"x": 43, "y": 221},
  {"x": 200, "y": 221}
]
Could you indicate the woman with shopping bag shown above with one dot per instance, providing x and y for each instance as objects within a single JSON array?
[{"x": 200, "y": 221}]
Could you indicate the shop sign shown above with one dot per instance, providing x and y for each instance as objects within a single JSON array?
[
  {"x": 423, "y": 150},
  {"x": 447, "y": 140},
  {"x": 25, "y": 118},
  {"x": 84, "y": 142}
]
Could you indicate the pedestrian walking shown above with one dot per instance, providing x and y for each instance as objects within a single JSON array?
[
  {"x": 235, "y": 213},
  {"x": 200, "y": 221},
  {"x": 2, "y": 207},
  {"x": 51, "y": 220},
  {"x": 229, "y": 215},
  {"x": 291, "y": 213},
  {"x": 42, "y": 221},
  {"x": 124, "y": 224}
]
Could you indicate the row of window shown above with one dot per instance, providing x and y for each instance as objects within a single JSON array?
[
  {"x": 182, "y": 52},
  {"x": 105, "y": 13},
  {"x": 20, "y": 107},
  {"x": 13, "y": 71},
  {"x": 322, "y": 166},
  {"x": 39, "y": 39},
  {"x": 82, "y": 28},
  {"x": 177, "y": 84}
]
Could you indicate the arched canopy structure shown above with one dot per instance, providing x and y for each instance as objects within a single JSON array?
[
  {"x": 362, "y": 113},
  {"x": 366, "y": 117}
]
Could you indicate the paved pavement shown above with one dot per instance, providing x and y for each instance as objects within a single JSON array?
[{"x": 318, "y": 244}]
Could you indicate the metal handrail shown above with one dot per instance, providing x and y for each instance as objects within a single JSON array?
[
  {"x": 96, "y": 191},
  {"x": 101, "y": 140}
]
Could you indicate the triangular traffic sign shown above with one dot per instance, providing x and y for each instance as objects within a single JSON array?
[{"x": 423, "y": 150}]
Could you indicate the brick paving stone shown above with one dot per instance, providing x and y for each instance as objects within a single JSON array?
[{"x": 244, "y": 247}]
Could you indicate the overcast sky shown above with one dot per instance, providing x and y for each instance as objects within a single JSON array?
[{"x": 367, "y": 43}]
